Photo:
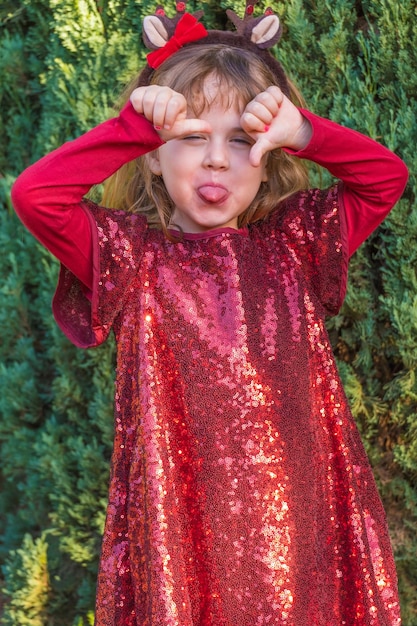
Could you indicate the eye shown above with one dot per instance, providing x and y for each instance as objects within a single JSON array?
[
  {"x": 243, "y": 140},
  {"x": 193, "y": 138}
]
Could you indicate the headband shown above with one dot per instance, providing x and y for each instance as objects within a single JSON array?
[{"x": 165, "y": 36}]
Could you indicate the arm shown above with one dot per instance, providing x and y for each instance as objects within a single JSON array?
[
  {"x": 373, "y": 177},
  {"x": 48, "y": 195}
]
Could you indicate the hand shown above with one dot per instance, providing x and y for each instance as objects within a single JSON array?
[
  {"x": 274, "y": 122},
  {"x": 166, "y": 109}
]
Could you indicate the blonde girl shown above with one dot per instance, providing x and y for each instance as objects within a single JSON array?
[{"x": 240, "y": 491}]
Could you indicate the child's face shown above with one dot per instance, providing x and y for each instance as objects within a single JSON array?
[{"x": 208, "y": 176}]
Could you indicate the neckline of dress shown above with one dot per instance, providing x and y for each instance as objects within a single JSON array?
[{"x": 208, "y": 234}]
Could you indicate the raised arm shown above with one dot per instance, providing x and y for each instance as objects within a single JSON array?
[
  {"x": 48, "y": 195},
  {"x": 373, "y": 177}
]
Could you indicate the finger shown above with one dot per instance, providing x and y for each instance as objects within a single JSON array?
[
  {"x": 184, "y": 127},
  {"x": 276, "y": 93},
  {"x": 156, "y": 104},
  {"x": 136, "y": 98},
  {"x": 189, "y": 126},
  {"x": 256, "y": 120},
  {"x": 269, "y": 100},
  {"x": 143, "y": 100},
  {"x": 266, "y": 103},
  {"x": 159, "y": 104},
  {"x": 175, "y": 109}
]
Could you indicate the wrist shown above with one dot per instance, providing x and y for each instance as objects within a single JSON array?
[{"x": 303, "y": 135}]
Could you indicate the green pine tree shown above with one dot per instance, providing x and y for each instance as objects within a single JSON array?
[{"x": 62, "y": 66}]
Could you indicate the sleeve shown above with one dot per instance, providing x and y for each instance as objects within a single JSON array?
[
  {"x": 117, "y": 247},
  {"x": 322, "y": 228},
  {"x": 48, "y": 195},
  {"x": 373, "y": 178},
  {"x": 312, "y": 228}
]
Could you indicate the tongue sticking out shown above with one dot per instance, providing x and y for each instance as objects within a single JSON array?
[{"x": 212, "y": 193}]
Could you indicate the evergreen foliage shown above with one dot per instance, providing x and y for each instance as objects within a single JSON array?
[{"x": 62, "y": 66}]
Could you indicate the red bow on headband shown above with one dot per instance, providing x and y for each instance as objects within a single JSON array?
[{"x": 188, "y": 29}]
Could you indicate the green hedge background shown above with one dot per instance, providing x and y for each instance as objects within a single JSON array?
[{"x": 62, "y": 66}]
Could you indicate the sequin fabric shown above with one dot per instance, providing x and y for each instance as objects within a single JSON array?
[{"x": 240, "y": 492}]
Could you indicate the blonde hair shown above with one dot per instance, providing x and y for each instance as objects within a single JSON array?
[{"x": 241, "y": 75}]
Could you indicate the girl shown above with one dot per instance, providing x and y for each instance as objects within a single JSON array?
[{"x": 240, "y": 491}]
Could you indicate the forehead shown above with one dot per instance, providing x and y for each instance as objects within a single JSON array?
[{"x": 218, "y": 91}]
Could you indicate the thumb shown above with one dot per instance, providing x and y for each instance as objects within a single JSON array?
[{"x": 258, "y": 150}]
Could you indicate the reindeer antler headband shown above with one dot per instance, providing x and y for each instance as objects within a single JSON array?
[{"x": 165, "y": 36}]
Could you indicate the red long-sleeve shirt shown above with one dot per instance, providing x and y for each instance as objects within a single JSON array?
[{"x": 47, "y": 196}]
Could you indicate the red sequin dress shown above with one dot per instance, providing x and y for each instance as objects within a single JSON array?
[{"x": 240, "y": 491}]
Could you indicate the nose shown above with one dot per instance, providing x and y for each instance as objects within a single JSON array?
[{"x": 217, "y": 154}]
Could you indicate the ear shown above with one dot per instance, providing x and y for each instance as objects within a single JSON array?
[
  {"x": 152, "y": 159},
  {"x": 266, "y": 30},
  {"x": 154, "y": 32}
]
